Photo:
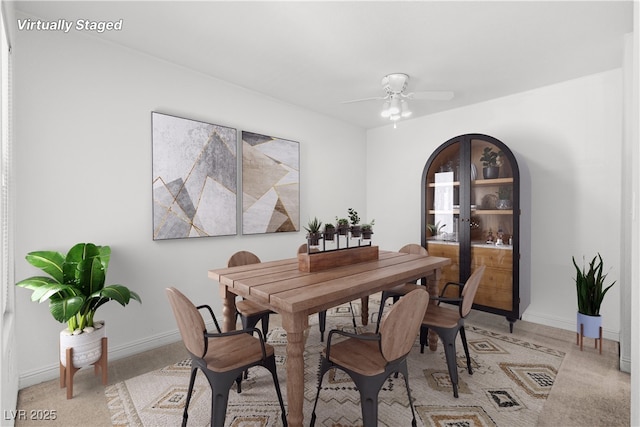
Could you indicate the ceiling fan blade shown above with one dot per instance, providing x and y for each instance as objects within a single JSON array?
[
  {"x": 433, "y": 95},
  {"x": 365, "y": 99}
]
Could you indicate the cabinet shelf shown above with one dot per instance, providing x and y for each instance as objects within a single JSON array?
[
  {"x": 444, "y": 184},
  {"x": 474, "y": 212},
  {"x": 496, "y": 181},
  {"x": 492, "y": 212},
  {"x": 479, "y": 182}
]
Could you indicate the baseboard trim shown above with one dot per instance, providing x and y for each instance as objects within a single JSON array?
[
  {"x": 563, "y": 323},
  {"x": 51, "y": 372}
]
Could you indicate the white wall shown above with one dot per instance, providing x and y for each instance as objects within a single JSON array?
[
  {"x": 83, "y": 165},
  {"x": 567, "y": 139}
]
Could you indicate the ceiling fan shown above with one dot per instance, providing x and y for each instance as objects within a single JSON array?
[{"x": 395, "y": 100}]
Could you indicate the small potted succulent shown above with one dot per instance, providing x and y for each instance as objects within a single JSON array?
[
  {"x": 313, "y": 229},
  {"x": 329, "y": 231},
  {"x": 354, "y": 220},
  {"x": 491, "y": 163},
  {"x": 343, "y": 226},
  {"x": 504, "y": 197},
  {"x": 367, "y": 229},
  {"x": 435, "y": 229}
]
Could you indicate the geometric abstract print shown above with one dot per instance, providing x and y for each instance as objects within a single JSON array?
[
  {"x": 194, "y": 178},
  {"x": 270, "y": 184}
]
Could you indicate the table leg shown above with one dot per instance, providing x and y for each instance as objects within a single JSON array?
[
  {"x": 295, "y": 326},
  {"x": 433, "y": 288},
  {"x": 364, "y": 310},
  {"x": 228, "y": 309}
]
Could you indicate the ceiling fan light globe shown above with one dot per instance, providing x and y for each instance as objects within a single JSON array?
[
  {"x": 406, "y": 112},
  {"x": 394, "y": 107},
  {"x": 385, "y": 110}
]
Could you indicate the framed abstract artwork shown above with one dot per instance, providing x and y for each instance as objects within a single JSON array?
[
  {"x": 270, "y": 184},
  {"x": 194, "y": 178}
]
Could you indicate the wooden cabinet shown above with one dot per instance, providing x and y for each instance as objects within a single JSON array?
[{"x": 471, "y": 216}]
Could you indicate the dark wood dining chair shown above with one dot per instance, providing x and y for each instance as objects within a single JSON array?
[
  {"x": 222, "y": 357},
  {"x": 448, "y": 321},
  {"x": 401, "y": 290},
  {"x": 369, "y": 359}
]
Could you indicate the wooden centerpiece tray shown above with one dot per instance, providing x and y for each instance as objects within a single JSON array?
[{"x": 323, "y": 260}]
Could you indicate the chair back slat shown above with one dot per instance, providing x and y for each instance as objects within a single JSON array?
[
  {"x": 400, "y": 326},
  {"x": 469, "y": 291},
  {"x": 242, "y": 258},
  {"x": 414, "y": 249},
  {"x": 190, "y": 322}
]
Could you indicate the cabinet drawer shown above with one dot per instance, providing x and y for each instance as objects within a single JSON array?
[
  {"x": 492, "y": 258},
  {"x": 496, "y": 289},
  {"x": 444, "y": 250},
  {"x": 450, "y": 273}
]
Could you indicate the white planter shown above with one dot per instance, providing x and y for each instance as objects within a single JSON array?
[
  {"x": 87, "y": 346},
  {"x": 591, "y": 325}
]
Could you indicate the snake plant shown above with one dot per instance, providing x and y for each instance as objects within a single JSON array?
[{"x": 589, "y": 286}]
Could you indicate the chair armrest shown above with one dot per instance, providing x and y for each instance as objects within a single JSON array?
[
  {"x": 213, "y": 316},
  {"x": 459, "y": 284},
  {"x": 445, "y": 299},
  {"x": 249, "y": 331},
  {"x": 363, "y": 337}
]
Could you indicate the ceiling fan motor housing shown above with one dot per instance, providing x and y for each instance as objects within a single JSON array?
[{"x": 395, "y": 83}]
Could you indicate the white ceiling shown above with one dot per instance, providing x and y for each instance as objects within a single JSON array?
[{"x": 317, "y": 54}]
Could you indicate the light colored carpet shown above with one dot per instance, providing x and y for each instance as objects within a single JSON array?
[
  {"x": 511, "y": 381},
  {"x": 589, "y": 389}
]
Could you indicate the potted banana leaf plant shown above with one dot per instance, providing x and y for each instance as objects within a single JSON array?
[{"x": 75, "y": 289}]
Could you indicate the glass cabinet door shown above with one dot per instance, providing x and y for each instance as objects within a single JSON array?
[
  {"x": 491, "y": 223},
  {"x": 442, "y": 234}
]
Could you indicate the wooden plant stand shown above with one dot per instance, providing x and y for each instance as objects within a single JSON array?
[
  {"x": 67, "y": 373},
  {"x": 580, "y": 338}
]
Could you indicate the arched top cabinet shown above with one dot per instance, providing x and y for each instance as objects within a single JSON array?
[{"x": 471, "y": 214}]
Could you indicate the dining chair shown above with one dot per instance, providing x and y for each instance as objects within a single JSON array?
[
  {"x": 448, "y": 321},
  {"x": 369, "y": 359},
  {"x": 401, "y": 290},
  {"x": 250, "y": 312},
  {"x": 322, "y": 315},
  {"x": 222, "y": 357}
]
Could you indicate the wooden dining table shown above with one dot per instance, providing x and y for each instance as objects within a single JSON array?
[{"x": 296, "y": 294}]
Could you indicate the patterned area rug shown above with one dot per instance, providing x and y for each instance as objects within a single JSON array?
[{"x": 511, "y": 381}]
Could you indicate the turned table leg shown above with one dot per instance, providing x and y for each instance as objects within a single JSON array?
[{"x": 295, "y": 326}]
